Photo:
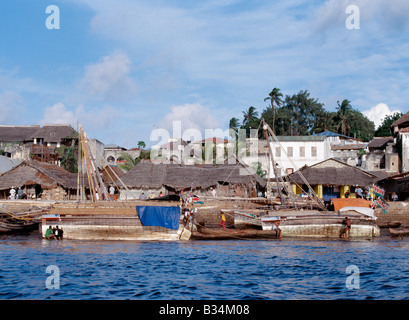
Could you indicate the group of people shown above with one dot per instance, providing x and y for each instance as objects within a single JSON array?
[
  {"x": 151, "y": 196},
  {"x": 54, "y": 233},
  {"x": 19, "y": 194},
  {"x": 359, "y": 193}
]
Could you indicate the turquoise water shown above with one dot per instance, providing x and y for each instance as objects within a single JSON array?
[{"x": 204, "y": 270}]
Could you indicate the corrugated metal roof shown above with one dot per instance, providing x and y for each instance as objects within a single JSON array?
[
  {"x": 332, "y": 134},
  {"x": 301, "y": 138}
]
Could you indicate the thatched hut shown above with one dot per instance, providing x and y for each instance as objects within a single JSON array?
[
  {"x": 39, "y": 179},
  {"x": 331, "y": 179},
  {"x": 228, "y": 179}
]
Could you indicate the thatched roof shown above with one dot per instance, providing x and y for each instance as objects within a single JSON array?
[
  {"x": 54, "y": 133},
  {"x": 150, "y": 175},
  {"x": 36, "y": 172},
  {"x": 333, "y": 172},
  {"x": 17, "y": 133},
  {"x": 110, "y": 173},
  {"x": 380, "y": 142}
]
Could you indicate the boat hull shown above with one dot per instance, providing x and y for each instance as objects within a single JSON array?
[
  {"x": 326, "y": 230},
  {"x": 322, "y": 226},
  {"x": 96, "y": 223},
  {"x": 12, "y": 228},
  {"x": 232, "y": 234},
  {"x": 398, "y": 232},
  {"x": 243, "y": 220},
  {"x": 117, "y": 229}
]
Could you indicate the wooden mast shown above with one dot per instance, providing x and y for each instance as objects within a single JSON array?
[{"x": 282, "y": 200}]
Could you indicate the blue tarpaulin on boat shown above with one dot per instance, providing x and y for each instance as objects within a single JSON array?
[{"x": 167, "y": 217}]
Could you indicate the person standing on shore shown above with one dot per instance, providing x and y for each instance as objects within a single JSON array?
[
  {"x": 111, "y": 193},
  {"x": 277, "y": 229},
  {"x": 223, "y": 222},
  {"x": 12, "y": 193},
  {"x": 213, "y": 192},
  {"x": 346, "y": 228}
]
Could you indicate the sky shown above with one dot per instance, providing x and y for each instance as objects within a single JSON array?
[{"x": 124, "y": 68}]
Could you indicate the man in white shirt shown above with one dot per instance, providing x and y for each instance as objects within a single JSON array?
[
  {"x": 111, "y": 192},
  {"x": 12, "y": 193}
]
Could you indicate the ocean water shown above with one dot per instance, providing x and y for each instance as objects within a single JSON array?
[{"x": 287, "y": 269}]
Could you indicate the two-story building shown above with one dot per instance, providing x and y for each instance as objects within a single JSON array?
[{"x": 293, "y": 152}]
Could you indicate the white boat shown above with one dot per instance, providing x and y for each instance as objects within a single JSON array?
[{"x": 319, "y": 224}]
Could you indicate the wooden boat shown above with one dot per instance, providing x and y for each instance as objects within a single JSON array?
[
  {"x": 116, "y": 221},
  {"x": 17, "y": 226},
  {"x": 399, "y": 232},
  {"x": 231, "y": 234},
  {"x": 320, "y": 224},
  {"x": 245, "y": 219}
]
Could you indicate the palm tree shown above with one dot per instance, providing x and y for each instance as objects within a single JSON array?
[
  {"x": 344, "y": 116},
  {"x": 129, "y": 162},
  {"x": 234, "y": 124},
  {"x": 249, "y": 115},
  {"x": 275, "y": 99},
  {"x": 141, "y": 144},
  {"x": 325, "y": 122}
]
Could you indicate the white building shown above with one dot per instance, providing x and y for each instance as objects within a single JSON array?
[{"x": 293, "y": 152}]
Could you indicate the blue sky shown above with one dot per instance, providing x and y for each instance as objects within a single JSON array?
[{"x": 122, "y": 68}]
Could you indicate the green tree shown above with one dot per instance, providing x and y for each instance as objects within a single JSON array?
[
  {"x": 129, "y": 161},
  {"x": 343, "y": 117},
  {"x": 298, "y": 115},
  {"x": 275, "y": 99},
  {"x": 141, "y": 144},
  {"x": 325, "y": 122},
  {"x": 251, "y": 120},
  {"x": 360, "y": 127},
  {"x": 234, "y": 124},
  {"x": 384, "y": 130},
  {"x": 250, "y": 116}
]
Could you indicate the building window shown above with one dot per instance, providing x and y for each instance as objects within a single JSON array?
[
  {"x": 302, "y": 152},
  {"x": 290, "y": 151},
  {"x": 313, "y": 151},
  {"x": 278, "y": 152}
]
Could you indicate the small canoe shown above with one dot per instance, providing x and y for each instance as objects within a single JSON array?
[
  {"x": 232, "y": 234},
  {"x": 396, "y": 232}
]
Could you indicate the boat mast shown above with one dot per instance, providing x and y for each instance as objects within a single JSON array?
[
  {"x": 314, "y": 195},
  {"x": 94, "y": 179},
  {"x": 265, "y": 126}
]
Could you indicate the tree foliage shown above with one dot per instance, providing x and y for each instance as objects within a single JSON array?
[
  {"x": 384, "y": 129},
  {"x": 300, "y": 114}
]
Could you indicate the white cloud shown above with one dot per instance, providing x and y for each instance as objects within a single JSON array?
[
  {"x": 11, "y": 108},
  {"x": 191, "y": 116},
  {"x": 58, "y": 114},
  {"x": 109, "y": 78},
  {"x": 378, "y": 113},
  {"x": 90, "y": 119}
]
